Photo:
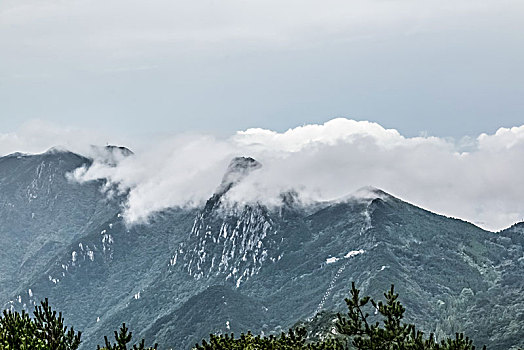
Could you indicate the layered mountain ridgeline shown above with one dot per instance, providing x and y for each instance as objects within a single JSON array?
[{"x": 232, "y": 268}]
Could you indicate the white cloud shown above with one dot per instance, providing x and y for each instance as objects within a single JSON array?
[
  {"x": 37, "y": 136},
  {"x": 504, "y": 138},
  {"x": 339, "y": 130},
  {"x": 181, "y": 171},
  {"x": 329, "y": 161}
]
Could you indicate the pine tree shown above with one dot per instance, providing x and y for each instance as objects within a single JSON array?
[
  {"x": 123, "y": 338},
  {"x": 45, "y": 331},
  {"x": 394, "y": 334},
  {"x": 51, "y": 327}
]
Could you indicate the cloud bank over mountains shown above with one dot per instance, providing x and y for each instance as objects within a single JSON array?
[
  {"x": 476, "y": 179},
  {"x": 37, "y": 136}
]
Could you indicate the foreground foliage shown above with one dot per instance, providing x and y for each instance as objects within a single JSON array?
[
  {"x": 45, "y": 330},
  {"x": 122, "y": 339},
  {"x": 394, "y": 334},
  {"x": 294, "y": 339},
  {"x": 356, "y": 329}
]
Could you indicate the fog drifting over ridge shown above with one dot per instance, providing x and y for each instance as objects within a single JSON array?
[{"x": 478, "y": 180}]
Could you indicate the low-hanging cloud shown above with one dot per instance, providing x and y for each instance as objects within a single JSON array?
[
  {"x": 327, "y": 162},
  {"x": 36, "y": 136}
]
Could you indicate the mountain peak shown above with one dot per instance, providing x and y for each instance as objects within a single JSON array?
[
  {"x": 17, "y": 155},
  {"x": 238, "y": 169},
  {"x": 120, "y": 149},
  {"x": 242, "y": 164},
  {"x": 370, "y": 192},
  {"x": 57, "y": 150},
  {"x": 366, "y": 193},
  {"x": 51, "y": 152},
  {"x": 110, "y": 154}
]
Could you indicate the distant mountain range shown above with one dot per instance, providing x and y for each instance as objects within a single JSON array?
[{"x": 233, "y": 268}]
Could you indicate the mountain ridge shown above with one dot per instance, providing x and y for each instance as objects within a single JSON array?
[{"x": 291, "y": 260}]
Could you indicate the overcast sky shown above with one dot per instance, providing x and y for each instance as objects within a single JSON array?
[
  {"x": 429, "y": 96},
  {"x": 140, "y": 68}
]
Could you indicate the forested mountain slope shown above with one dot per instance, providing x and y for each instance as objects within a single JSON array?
[{"x": 227, "y": 267}]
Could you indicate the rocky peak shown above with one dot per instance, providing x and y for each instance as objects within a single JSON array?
[
  {"x": 238, "y": 169},
  {"x": 119, "y": 149}
]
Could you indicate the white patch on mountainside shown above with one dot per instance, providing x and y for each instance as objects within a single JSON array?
[
  {"x": 331, "y": 260},
  {"x": 350, "y": 254},
  {"x": 341, "y": 269},
  {"x": 353, "y": 253}
]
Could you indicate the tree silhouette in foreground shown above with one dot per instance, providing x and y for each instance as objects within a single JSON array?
[
  {"x": 394, "y": 334},
  {"x": 354, "y": 330},
  {"x": 122, "y": 338},
  {"x": 45, "y": 330}
]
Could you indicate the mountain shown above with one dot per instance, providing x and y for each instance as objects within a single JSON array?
[
  {"x": 231, "y": 267},
  {"x": 42, "y": 212}
]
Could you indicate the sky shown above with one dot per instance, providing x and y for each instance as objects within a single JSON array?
[
  {"x": 140, "y": 68},
  {"x": 423, "y": 99}
]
